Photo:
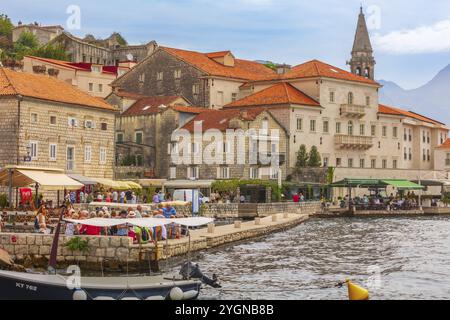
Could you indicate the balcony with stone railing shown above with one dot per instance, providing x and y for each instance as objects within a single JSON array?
[
  {"x": 353, "y": 110},
  {"x": 353, "y": 142}
]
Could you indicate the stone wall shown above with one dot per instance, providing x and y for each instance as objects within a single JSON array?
[
  {"x": 33, "y": 250},
  {"x": 143, "y": 79}
]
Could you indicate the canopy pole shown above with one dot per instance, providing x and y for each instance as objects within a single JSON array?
[{"x": 10, "y": 192}]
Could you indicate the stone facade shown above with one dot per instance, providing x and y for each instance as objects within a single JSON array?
[
  {"x": 80, "y": 50},
  {"x": 156, "y": 132},
  {"x": 143, "y": 79},
  {"x": 29, "y": 121},
  {"x": 44, "y": 34},
  {"x": 241, "y": 166}
]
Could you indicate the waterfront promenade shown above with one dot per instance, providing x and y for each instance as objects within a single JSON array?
[{"x": 119, "y": 252}]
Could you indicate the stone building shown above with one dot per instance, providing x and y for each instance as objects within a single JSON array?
[
  {"x": 94, "y": 79},
  {"x": 339, "y": 113},
  {"x": 143, "y": 133},
  {"x": 208, "y": 80},
  {"x": 44, "y": 34},
  {"x": 261, "y": 154},
  {"x": 442, "y": 156},
  {"x": 105, "y": 52},
  {"x": 48, "y": 123}
]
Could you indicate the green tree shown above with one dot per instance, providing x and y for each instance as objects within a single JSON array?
[
  {"x": 314, "y": 159},
  {"x": 50, "y": 51},
  {"x": 6, "y": 26},
  {"x": 26, "y": 44},
  {"x": 302, "y": 157}
]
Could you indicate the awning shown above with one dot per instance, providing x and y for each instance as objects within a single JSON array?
[
  {"x": 108, "y": 183},
  {"x": 403, "y": 184},
  {"x": 133, "y": 185},
  {"x": 84, "y": 180},
  {"x": 359, "y": 183},
  {"x": 48, "y": 179},
  {"x": 152, "y": 182},
  {"x": 188, "y": 184},
  {"x": 377, "y": 183}
]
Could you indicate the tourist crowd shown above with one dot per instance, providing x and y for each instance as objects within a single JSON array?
[{"x": 139, "y": 234}]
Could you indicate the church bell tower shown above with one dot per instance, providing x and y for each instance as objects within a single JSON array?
[{"x": 362, "y": 62}]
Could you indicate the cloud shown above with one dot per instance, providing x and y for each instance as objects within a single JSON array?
[{"x": 425, "y": 39}]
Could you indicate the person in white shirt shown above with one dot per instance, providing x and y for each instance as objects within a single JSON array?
[{"x": 115, "y": 196}]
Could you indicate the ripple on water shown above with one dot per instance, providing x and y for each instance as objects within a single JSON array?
[{"x": 411, "y": 254}]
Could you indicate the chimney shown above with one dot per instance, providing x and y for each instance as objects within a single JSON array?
[{"x": 283, "y": 68}]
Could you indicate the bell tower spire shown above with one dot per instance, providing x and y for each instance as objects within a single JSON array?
[{"x": 362, "y": 62}]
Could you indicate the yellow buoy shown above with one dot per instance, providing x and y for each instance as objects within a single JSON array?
[{"x": 356, "y": 292}]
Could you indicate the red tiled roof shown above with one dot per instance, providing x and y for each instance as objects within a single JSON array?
[
  {"x": 384, "y": 109},
  {"x": 220, "y": 119},
  {"x": 445, "y": 145},
  {"x": 217, "y": 54},
  {"x": 82, "y": 66},
  {"x": 278, "y": 94},
  {"x": 242, "y": 69},
  {"x": 149, "y": 105},
  {"x": 129, "y": 95},
  {"x": 188, "y": 109},
  {"x": 316, "y": 68},
  {"x": 14, "y": 83}
]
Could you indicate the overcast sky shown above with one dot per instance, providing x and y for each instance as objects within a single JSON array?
[{"x": 411, "y": 38}]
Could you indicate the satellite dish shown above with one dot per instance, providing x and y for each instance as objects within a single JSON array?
[{"x": 130, "y": 57}]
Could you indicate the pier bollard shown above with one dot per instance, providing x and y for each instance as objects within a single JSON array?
[
  {"x": 237, "y": 224},
  {"x": 285, "y": 215},
  {"x": 257, "y": 221},
  {"x": 274, "y": 217},
  {"x": 211, "y": 227}
]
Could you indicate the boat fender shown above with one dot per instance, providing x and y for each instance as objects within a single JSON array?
[
  {"x": 191, "y": 294},
  {"x": 155, "y": 298},
  {"x": 176, "y": 294},
  {"x": 79, "y": 294},
  {"x": 104, "y": 298}
]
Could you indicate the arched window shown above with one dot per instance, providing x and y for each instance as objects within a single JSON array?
[
  {"x": 367, "y": 72},
  {"x": 350, "y": 98},
  {"x": 350, "y": 128},
  {"x": 358, "y": 71}
]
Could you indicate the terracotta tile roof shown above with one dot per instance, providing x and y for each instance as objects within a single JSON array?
[
  {"x": 149, "y": 105},
  {"x": 278, "y": 94},
  {"x": 243, "y": 69},
  {"x": 82, "y": 66},
  {"x": 220, "y": 119},
  {"x": 129, "y": 95},
  {"x": 384, "y": 109},
  {"x": 445, "y": 145},
  {"x": 188, "y": 109},
  {"x": 316, "y": 68},
  {"x": 46, "y": 88},
  {"x": 217, "y": 54}
]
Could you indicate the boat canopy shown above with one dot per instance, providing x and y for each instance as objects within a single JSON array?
[
  {"x": 143, "y": 222},
  {"x": 377, "y": 183},
  {"x": 48, "y": 179}
]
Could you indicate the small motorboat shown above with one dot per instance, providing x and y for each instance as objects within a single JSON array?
[
  {"x": 33, "y": 286},
  {"x": 51, "y": 286}
]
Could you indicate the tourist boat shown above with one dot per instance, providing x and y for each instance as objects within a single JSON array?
[{"x": 51, "y": 286}]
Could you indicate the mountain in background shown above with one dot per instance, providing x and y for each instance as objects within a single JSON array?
[{"x": 431, "y": 100}]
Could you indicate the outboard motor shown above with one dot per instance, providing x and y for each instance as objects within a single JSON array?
[{"x": 190, "y": 270}]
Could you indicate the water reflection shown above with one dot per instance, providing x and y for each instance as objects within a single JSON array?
[{"x": 411, "y": 254}]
